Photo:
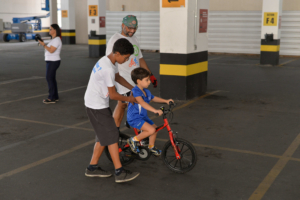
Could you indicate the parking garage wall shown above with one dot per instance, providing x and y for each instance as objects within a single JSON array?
[{"x": 234, "y": 25}]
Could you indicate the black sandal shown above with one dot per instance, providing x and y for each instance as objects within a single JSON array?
[{"x": 47, "y": 101}]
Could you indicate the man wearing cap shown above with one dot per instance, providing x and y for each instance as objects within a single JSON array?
[{"x": 129, "y": 27}]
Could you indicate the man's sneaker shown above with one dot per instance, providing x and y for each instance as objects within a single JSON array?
[
  {"x": 126, "y": 176},
  {"x": 97, "y": 173},
  {"x": 155, "y": 151},
  {"x": 134, "y": 148}
]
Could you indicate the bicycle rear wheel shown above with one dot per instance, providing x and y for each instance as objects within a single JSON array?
[
  {"x": 187, "y": 153},
  {"x": 126, "y": 156}
]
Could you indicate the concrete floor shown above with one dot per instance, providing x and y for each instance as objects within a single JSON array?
[{"x": 246, "y": 132}]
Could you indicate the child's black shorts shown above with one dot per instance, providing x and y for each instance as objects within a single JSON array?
[{"x": 104, "y": 126}]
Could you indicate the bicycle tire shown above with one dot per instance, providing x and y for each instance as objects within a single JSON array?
[
  {"x": 126, "y": 156},
  {"x": 169, "y": 158}
]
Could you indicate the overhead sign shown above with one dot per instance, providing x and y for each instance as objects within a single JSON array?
[
  {"x": 93, "y": 10},
  {"x": 64, "y": 13},
  {"x": 270, "y": 19},
  {"x": 173, "y": 3},
  {"x": 203, "y": 20}
]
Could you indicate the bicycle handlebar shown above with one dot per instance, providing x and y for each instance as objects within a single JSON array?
[{"x": 171, "y": 106}]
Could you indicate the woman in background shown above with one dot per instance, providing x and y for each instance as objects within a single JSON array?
[{"x": 52, "y": 58}]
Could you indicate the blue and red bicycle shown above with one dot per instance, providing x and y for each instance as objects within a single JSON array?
[{"x": 178, "y": 154}]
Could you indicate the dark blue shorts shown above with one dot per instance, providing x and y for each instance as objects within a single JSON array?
[{"x": 138, "y": 123}]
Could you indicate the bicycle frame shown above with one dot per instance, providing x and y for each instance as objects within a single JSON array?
[{"x": 165, "y": 125}]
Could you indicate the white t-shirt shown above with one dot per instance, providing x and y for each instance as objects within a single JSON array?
[
  {"x": 55, "y": 56},
  {"x": 102, "y": 76},
  {"x": 133, "y": 62}
]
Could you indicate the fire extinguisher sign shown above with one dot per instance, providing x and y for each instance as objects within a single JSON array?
[{"x": 203, "y": 20}]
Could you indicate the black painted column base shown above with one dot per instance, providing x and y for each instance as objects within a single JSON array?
[
  {"x": 97, "y": 45},
  {"x": 183, "y": 87}
]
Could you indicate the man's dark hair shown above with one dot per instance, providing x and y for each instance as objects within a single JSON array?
[
  {"x": 123, "y": 46},
  {"x": 139, "y": 73}
]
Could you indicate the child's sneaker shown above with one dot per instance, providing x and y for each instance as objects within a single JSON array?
[
  {"x": 133, "y": 145},
  {"x": 155, "y": 151}
]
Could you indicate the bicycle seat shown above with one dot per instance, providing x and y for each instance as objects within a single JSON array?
[{"x": 127, "y": 124}]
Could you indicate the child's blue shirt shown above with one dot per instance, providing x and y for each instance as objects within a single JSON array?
[{"x": 136, "y": 111}]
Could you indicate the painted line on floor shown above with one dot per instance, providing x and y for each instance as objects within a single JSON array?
[
  {"x": 288, "y": 62},
  {"x": 39, "y": 136},
  {"x": 21, "y": 79},
  {"x": 41, "y": 95},
  {"x": 275, "y": 171},
  {"x": 46, "y": 123},
  {"x": 159, "y": 139},
  {"x": 215, "y": 58},
  {"x": 231, "y": 64},
  {"x": 50, "y": 158},
  {"x": 45, "y": 160}
]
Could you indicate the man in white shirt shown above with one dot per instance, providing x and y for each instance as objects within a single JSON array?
[
  {"x": 100, "y": 89},
  {"x": 129, "y": 27}
]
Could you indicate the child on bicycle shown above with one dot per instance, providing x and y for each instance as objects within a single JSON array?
[{"x": 137, "y": 113}]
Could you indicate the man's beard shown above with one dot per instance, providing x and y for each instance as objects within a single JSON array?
[{"x": 127, "y": 34}]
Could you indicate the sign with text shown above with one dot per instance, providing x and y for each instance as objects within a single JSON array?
[
  {"x": 203, "y": 20},
  {"x": 93, "y": 10},
  {"x": 173, "y": 3},
  {"x": 64, "y": 13},
  {"x": 270, "y": 19},
  {"x": 102, "y": 22}
]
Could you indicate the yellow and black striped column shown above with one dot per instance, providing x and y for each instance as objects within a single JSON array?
[
  {"x": 68, "y": 36},
  {"x": 269, "y": 52},
  {"x": 184, "y": 50},
  {"x": 97, "y": 45},
  {"x": 68, "y": 26},
  {"x": 270, "y": 32},
  {"x": 97, "y": 28},
  {"x": 183, "y": 76}
]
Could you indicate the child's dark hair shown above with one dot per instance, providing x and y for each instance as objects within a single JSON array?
[
  {"x": 139, "y": 73},
  {"x": 123, "y": 46}
]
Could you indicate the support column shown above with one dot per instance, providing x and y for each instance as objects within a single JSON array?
[
  {"x": 270, "y": 32},
  {"x": 68, "y": 32},
  {"x": 183, "y": 48},
  {"x": 97, "y": 28},
  {"x": 53, "y": 12}
]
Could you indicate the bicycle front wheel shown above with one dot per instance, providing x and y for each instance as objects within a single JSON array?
[
  {"x": 188, "y": 156},
  {"x": 126, "y": 156}
]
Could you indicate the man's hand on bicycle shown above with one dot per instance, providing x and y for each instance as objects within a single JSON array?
[
  {"x": 159, "y": 112},
  {"x": 132, "y": 100}
]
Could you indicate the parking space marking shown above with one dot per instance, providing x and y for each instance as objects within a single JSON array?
[
  {"x": 275, "y": 171},
  {"x": 215, "y": 58},
  {"x": 21, "y": 79},
  {"x": 282, "y": 159},
  {"x": 39, "y": 136},
  {"x": 288, "y": 62},
  {"x": 46, "y": 123},
  {"x": 231, "y": 64},
  {"x": 42, "y": 161},
  {"x": 41, "y": 95}
]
